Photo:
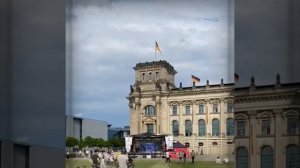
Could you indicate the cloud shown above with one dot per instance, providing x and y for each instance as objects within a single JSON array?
[{"x": 108, "y": 38}]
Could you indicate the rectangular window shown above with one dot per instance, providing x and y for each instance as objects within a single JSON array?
[
  {"x": 214, "y": 143},
  {"x": 21, "y": 156},
  {"x": 229, "y": 142},
  {"x": 187, "y": 109},
  {"x": 201, "y": 109},
  {"x": 241, "y": 128},
  {"x": 150, "y": 128},
  {"x": 229, "y": 107},
  {"x": 174, "y": 110},
  {"x": 215, "y": 108},
  {"x": 200, "y": 143},
  {"x": 265, "y": 127},
  {"x": 293, "y": 126}
]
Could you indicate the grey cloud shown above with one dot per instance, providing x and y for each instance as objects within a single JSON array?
[{"x": 108, "y": 42}]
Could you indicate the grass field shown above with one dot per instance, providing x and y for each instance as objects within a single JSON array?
[{"x": 74, "y": 163}]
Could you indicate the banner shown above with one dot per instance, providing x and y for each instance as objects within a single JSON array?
[
  {"x": 169, "y": 142},
  {"x": 128, "y": 143}
]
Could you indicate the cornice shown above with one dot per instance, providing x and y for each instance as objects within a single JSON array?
[
  {"x": 187, "y": 93},
  {"x": 262, "y": 98}
]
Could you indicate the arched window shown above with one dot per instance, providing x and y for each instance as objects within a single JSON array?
[
  {"x": 292, "y": 156},
  {"x": 175, "y": 128},
  {"x": 150, "y": 76},
  {"x": 143, "y": 76},
  {"x": 266, "y": 157},
  {"x": 215, "y": 127},
  {"x": 242, "y": 158},
  {"x": 201, "y": 126},
  {"x": 229, "y": 127},
  {"x": 188, "y": 128},
  {"x": 149, "y": 110}
]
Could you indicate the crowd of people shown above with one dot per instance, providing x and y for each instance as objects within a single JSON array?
[{"x": 100, "y": 159}]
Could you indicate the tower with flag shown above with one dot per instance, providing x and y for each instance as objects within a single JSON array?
[{"x": 157, "y": 49}]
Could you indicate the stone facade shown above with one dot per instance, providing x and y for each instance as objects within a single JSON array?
[
  {"x": 198, "y": 116},
  {"x": 267, "y": 125}
]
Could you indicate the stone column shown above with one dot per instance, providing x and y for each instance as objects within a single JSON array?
[
  {"x": 252, "y": 147},
  {"x": 181, "y": 121},
  {"x": 279, "y": 146},
  {"x": 208, "y": 109},
  {"x": 158, "y": 114},
  {"x": 194, "y": 122}
]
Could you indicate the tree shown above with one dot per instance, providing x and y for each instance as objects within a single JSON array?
[
  {"x": 116, "y": 142},
  {"x": 71, "y": 142},
  {"x": 89, "y": 141}
]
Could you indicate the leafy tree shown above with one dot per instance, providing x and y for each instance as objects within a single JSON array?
[
  {"x": 81, "y": 144},
  {"x": 71, "y": 142},
  {"x": 116, "y": 142},
  {"x": 89, "y": 141}
]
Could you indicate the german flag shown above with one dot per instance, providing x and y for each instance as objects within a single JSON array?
[
  {"x": 195, "y": 79},
  {"x": 157, "y": 47}
]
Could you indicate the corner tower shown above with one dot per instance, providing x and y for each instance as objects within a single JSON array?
[
  {"x": 151, "y": 76},
  {"x": 152, "y": 80}
]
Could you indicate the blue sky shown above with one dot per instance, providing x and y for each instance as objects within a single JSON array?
[{"x": 107, "y": 38}]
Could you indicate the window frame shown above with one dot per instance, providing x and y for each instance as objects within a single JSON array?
[
  {"x": 186, "y": 131},
  {"x": 295, "y": 130},
  {"x": 203, "y": 128},
  {"x": 215, "y": 107},
  {"x": 175, "y": 108},
  {"x": 265, "y": 129},
  {"x": 187, "y": 109},
  {"x": 201, "y": 109},
  {"x": 266, "y": 155},
  {"x": 229, "y": 129},
  {"x": 148, "y": 126},
  {"x": 177, "y": 126},
  {"x": 147, "y": 111},
  {"x": 238, "y": 122},
  {"x": 230, "y": 108},
  {"x": 214, "y": 128}
]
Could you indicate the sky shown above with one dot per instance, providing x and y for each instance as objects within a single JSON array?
[{"x": 105, "y": 39}]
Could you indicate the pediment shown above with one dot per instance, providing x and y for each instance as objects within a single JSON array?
[
  {"x": 265, "y": 114},
  {"x": 241, "y": 116},
  {"x": 149, "y": 119},
  {"x": 291, "y": 113}
]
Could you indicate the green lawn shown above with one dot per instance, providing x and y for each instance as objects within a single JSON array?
[
  {"x": 75, "y": 163},
  {"x": 176, "y": 164}
]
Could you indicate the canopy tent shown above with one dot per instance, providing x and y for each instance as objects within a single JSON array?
[{"x": 178, "y": 147}]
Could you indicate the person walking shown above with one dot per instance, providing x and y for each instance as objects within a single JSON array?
[
  {"x": 130, "y": 163},
  {"x": 122, "y": 159},
  {"x": 193, "y": 156},
  {"x": 102, "y": 164},
  {"x": 184, "y": 157},
  {"x": 95, "y": 159},
  {"x": 180, "y": 155},
  {"x": 168, "y": 161}
]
